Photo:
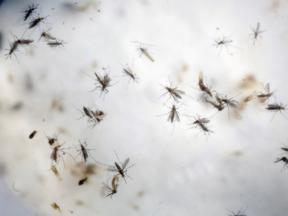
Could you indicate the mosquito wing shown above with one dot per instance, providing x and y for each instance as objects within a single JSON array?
[
  {"x": 112, "y": 169},
  {"x": 234, "y": 104},
  {"x": 125, "y": 163},
  {"x": 171, "y": 117}
]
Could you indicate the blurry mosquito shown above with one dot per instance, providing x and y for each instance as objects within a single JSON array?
[
  {"x": 248, "y": 98},
  {"x": 57, "y": 43},
  {"x": 46, "y": 36},
  {"x": 98, "y": 115},
  {"x": 239, "y": 213},
  {"x": 114, "y": 186},
  {"x": 55, "y": 171},
  {"x": 35, "y": 22},
  {"x": 127, "y": 71},
  {"x": 32, "y": 134},
  {"x": 265, "y": 96},
  {"x": 276, "y": 108},
  {"x": 203, "y": 87},
  {"x": 256, "y": 33},
  {"x": 121, "y": 170},
  {"x": 56, "y": 207},
  {"x": 285, "y": 160},
  {"x": 13, "y": 48},
  {"x": 219, "y": 105},
  {"x": 30, "y": 11},
  {"x": 82, "y": 181},
  {"x": 230, "y": 103},
  {"x": 224, "y": 42},
  {"x": 144, "y": 51},
  {"x": 173, "y": 92},
  {"x": 202, "y": 124},
  {"x": 173, "y": 114}
]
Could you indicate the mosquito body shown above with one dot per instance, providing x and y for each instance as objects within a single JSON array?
[
  {"x": 46, "y": 36},
  {"x": 230, "y": 103},
  {"x": 225, "y": 41},
  {"x": 121, "y": 170},
  {"x": 102, "y": 83},
  {"x": 173, "y": 115},
  {"x": 55, "y": 155},
  {"x": 30, "y": 11},
  {"x": 82, "y": 181},
  {"x": 53, "y": 141},
  {"x": 202, "y": 124},
  {"x": 114, "y": 185},
  {"x": 56, "y": 44},
  {"x": 55, "y": 171},
  {"x": 173, "y": 92},
  {"x": 256, "y": 33},
  {"x": 36, "y": 22},
  {"x": 32, "y": 134},
  {"x": 265, "y": 96},
  {"x": 219, "y": 107},
  {"x": 127, "y": 71},
  {"x": 276, "y": 108},
  {"x": 24, "y": 42},
  {"x": 98, "y": 115},
  {"x": 247, "y": 99},
  {"x": 13, "y": 48}
]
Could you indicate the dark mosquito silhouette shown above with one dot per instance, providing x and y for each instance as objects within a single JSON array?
[
  {"x": 53, "y": 141},
  {"x": 121, "y": 170},
  {"x": 32, "y": 134},
  {"x": 218, "y": 105},
  {"x": 13, "y": 48},
  {"x": 173, "y": 92},
  {"x": 276, "y": 108},
  {"x": 55, "y": 155},
  {"x": 57, "y": 43},
  {"x": 127, "y": 71},
  {"x": 114, "y": 186},
  {"x": 82, "y": 181},
  {"x": 285, "y": 160},
  {"x": 30, "y": 11},
  {"x": 202, "y": 124},
  {"x": 265, "y": 96},
  {"x": 35, "y": 22},
  {"x": 256, "y": 33}
]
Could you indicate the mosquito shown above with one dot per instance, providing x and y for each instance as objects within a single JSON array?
[
  {"x": 225, "y": 41},
  {"x": 265, "y": 96},
  {"x": 284, "y": 159},
  {"x": 103, "y": 83},
  {"x": 276, "y": 108},
  {"x": 173, "y": 92},
  {"x": 24, "y": 42},
  {"x": 202, "y": 123},
  {"x": 173, "y": 115},
  {"x": 230, "y": 103},
  {"x": 13, "y": 48},
  {"x": 98, "y": 115},
  {"x": 239, "y": 213},
  {"x": 53, "y": 141},
  {"x": 202, "y": 86},
  {"x": 144, "y": 51},
  {"x": 220, "y": 106},
  {"x": 82, "y": 181},
  {"x": 121, "y": 170},
  {"x": 127, "y": 71},
  {"x": 30, "y": 11},
  {"x": 36, "y": 22},
  {"x": 55, "y": 155},
  {"x": 56, "y": 44},
  {"x": 256, "y": 33},
  {"x": 46, "y": 36},
  {"x": 248, "y": 98},
  {"x": 114, "y": 185},
  {"x": 32, "y": 134}
]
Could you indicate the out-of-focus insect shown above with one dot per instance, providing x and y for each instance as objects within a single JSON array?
[
  {"x": 202, "y": 86},
  {"x": 114, "y": 185},
  {"x": 173, "y": 92},
  {"x": 82, "y": 181},
  {"x": 284, "y": 159},
  {"x": 127, "y": 71},
  {"x": 32, "y": 134},
  {"x": 276, "y": 108},
  {"x": 219, "y": 106},
  {"x": 284, "y": 148},
  {"x": 174, "y": 115},
  {"x": 85, "y": 153},
  {"x": 230, "y": 103},
  {"x": 265, "y": 96},
  {"x": 225, "y": 41},
  {"x": 239, "y": 213},
  {"x": 13, "y": 48},
  {"x": 55, "y": 171},
  {"x": 248, "y": 98},
  {"x": 202, "y": 124},
  {"x": 98, "y": 115},
  {"x": 121, "y": 170},
  {"x": 144, "y": 51},
  {"x": 56, "y": 44},
  {"x": 30, "y": 11},
  {"x": 256, "y": 33},
  {"x": 56, "y": 207},
  {"x": 53, "y": 141},
  {"x": 24, "y": 42},
  {"x": 46, "y": 36},
  {"x": 36, "y": 22}
]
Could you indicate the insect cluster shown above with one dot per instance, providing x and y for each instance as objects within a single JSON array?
[
  {"x": 173, "y": 94},
  {"x": 34, "y": 22}
]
